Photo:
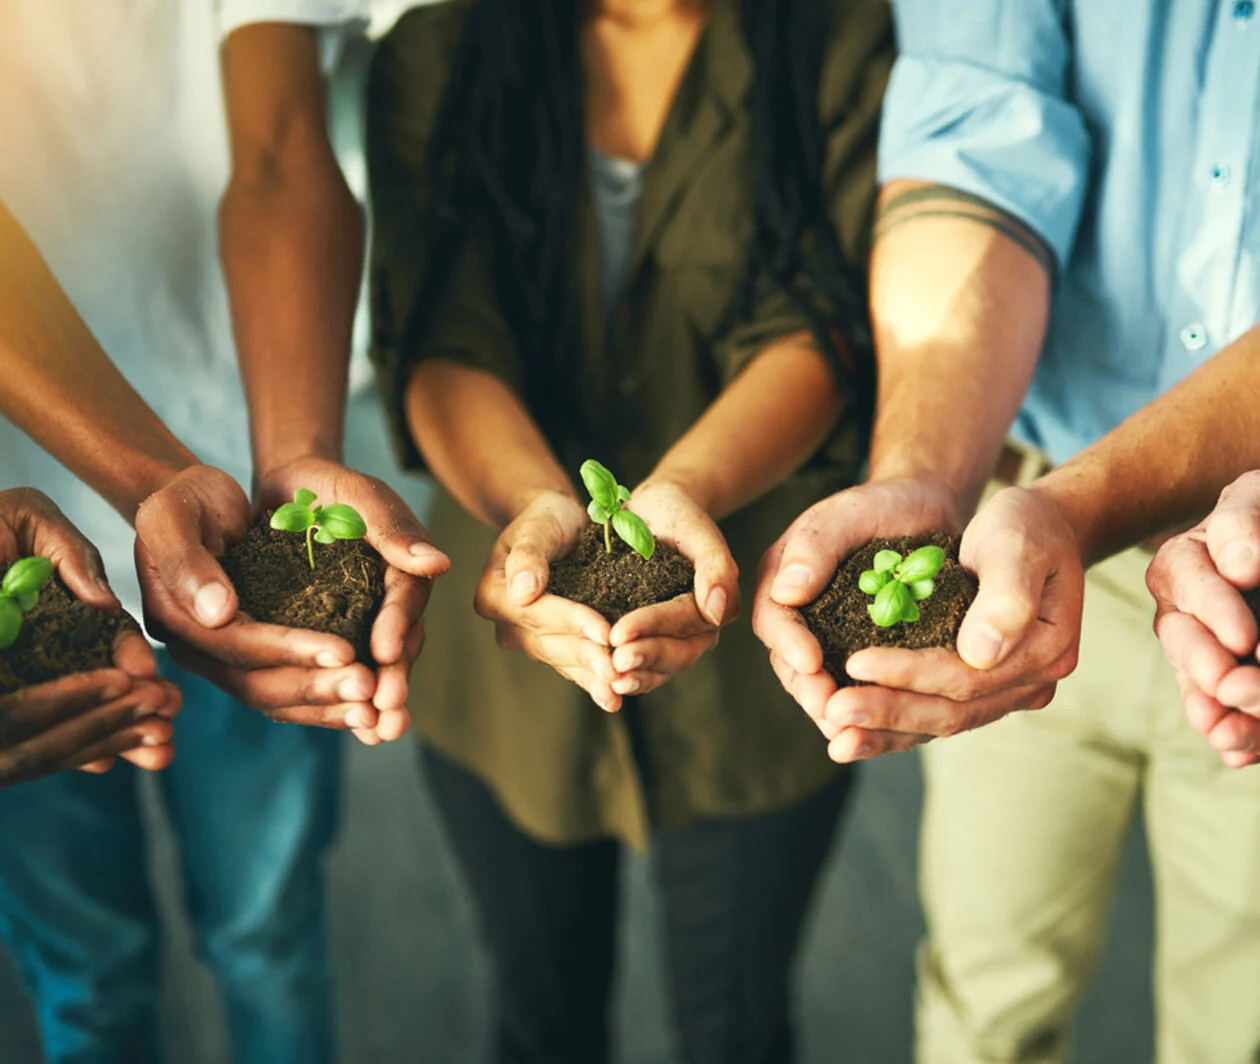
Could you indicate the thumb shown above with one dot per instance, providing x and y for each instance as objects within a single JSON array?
[
  {"x": 170, "y": 541},
  {"x": 397, "y": 533},
  {"x": 1011, "y": 585},
  {"x": 807, "y": 562},
  {"x": 527, "y": 569},
  {"x": 1233, "y": 532}
]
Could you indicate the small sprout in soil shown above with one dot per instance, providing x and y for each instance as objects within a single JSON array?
[
  {"x": 607, "y": 499},
  {"x": 900, "y": 584},
  {"x": 19, "y": 594},
  {"x": 324, "y": 523}
]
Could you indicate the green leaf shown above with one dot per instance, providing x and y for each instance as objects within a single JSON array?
[
  {"x": 885, "y": 560},
  {"x": 921, "y": 589},
  {"x": 292, "y": 517},
  {"x": 598, "y": 514},
  {"x": 601, "y": 484},
  {"x": 342, "y": 522},
  {"x": 304, "y": 497},
  {"x": 911, "y": 613},
  {"x": 10, "y": 622},
  {"x": 623, "y": 493},
  {"x": 26, "y": 600},
  {"x": 871, "y": 581},
  {"x": 322, "y": 535},
  {"x": 922, "y": 564},
  {"x": 27, "y": 575},
  {"x": 890, "y": 604},
  {"x": 630, "y": 527}
]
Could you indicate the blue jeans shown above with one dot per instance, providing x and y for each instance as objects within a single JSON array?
[{"x": 254, "y": 807}]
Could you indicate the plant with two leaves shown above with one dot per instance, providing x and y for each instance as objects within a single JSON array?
[
  {"x": 19, "y": 594},
  {"x": 900, "y": 584},
  {"x": 327, "y": 524},
  {"x": 608, "y": 499}
]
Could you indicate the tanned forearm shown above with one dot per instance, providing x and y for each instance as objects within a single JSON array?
[
  {"x": 480, "y": 441},
  {"x": 960, "y": 294},
  {"x": 768, "y": 421},
  {"x": 292, "y": 246},
  {"x": 59, "y": 386},
  {"x": 1164, "y": 467}
]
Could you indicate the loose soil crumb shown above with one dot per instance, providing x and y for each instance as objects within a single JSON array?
[
  {"x": 276, "y": 585},
  {"x": 621, "y": 582},
  {"x": 61, "y": 636},
  {"x": 840, "y": 622}
]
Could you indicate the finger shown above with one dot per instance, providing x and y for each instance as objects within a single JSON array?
[
  {"x": 600, "y": 691},
  {"x": 860, "y": 744},
  {"x": 527, "y": 564},
  {"x": 1202, "y": 711},
  {"x": 881, "y": 709},
  {"x": 133, "y": 654},
  {"x": 405, "y": 600},
  {"x": 663, "y": 655},
  {"x": 37, "y": 708},
  {"x": 1240, "y": 689},
  {"x": 785, "y": 634},
  {"x": 99, "y": 768},
  {"x": 679, "y": 618},
  {"x": 393, "y": 725},
  {"x": 392, "y": 680},
  {"x": 811, "y": 692},
  {"x": 1233, "y": 532},
  {"x": 1235, "y": 733},
  {"x": 550, "y": 613},
  {"x": 393, "y": 529},
  {"x": 247, "y": 644},
  {"x": 559, "y": 651},
  {"x": 716, "y": 574},
  {"x": 170, "y": 546},
  {"x": 48, "y": 532},
  {"x": 1194, "y": 650},
  {"x": 150, "y": 758},
  {"x": 149, "y": 743},
  {"x": 270, "y": 690},
  {"x": 1183, "y": 578},
  {"x": 1237, "y": 760},
  {"x": 1012, "y": 577},
  {"x": 805, "y": 560}
]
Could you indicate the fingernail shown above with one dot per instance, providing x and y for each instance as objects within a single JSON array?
[
  {"x": 635, "y": 662},
  {"x": 793, "y": 578},
  {"x": 524, "y": 586},
  {"x": 715, "y": 606},
  {"x": 326, "y": 659},
  {"x": 352, "y": 689},
  {"x": 419, "y": 550},
  {"x": 209, "y": 602},
  {"x": 358, "y": 718},
  {"x": 983, "y": 647},
  {"x": 627, "y": 685},
  {"x": 856, "y": 719},
  {"x": 864, "y": 750},
  {"x": 1237, "y": 560},
  {"x": 151, "y": 740},
  {"x": 113, "y": 690},
  {"x": 595, "y": 636}
]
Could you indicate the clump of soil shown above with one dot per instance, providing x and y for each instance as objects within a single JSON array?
[
  {"x": 621, "y": 582},
  {"x": 840, "y": 622},
  {"x": 61, "y": 636},
  {"x": 276, "y": 585}
]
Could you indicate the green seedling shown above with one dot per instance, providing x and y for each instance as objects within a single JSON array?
[
  {"x": 19, "y": 594},
  {"x": 900, "y": 584},
  {"x": 608, "y": 499},
  {"x": 327, "y": 524}
]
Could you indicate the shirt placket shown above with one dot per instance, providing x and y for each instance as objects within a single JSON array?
[{"x": 1202, "y": 312}]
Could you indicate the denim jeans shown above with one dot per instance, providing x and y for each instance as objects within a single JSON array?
[{"x": 254, "y": 807}]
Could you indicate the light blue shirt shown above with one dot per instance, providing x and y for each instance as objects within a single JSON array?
[
  {"x": 1125, "y": 133},
  {"x": 616, "y": 188}
]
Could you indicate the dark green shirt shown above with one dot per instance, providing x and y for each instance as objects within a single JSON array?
[{"x": 722, "y": 738}]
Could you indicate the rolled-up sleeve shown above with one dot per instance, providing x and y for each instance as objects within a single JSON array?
[{"x": 978, "y": 101}]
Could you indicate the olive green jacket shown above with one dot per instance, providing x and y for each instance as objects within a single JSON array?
[{"x": 722, "y": 738}]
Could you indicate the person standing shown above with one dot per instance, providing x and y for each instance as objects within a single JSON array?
[{"x": 1068, "y": 229}]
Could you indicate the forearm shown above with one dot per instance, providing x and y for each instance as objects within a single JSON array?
[
  {"x": 1164, "y": 467},
  {"x": 480, "y": 441},
  {"x": 959, "y": 305},
  {"x": 292, "y": 248},
  {"x": 60, "y": 387},
  {"x": 763, "y": 426}
]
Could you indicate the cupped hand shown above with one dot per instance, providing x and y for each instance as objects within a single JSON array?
[
  {"x": 573, "y": 639},
  {"x": 655, "y": 643},
  {"x": 411, "y": 562},
  {"x": 800, "y": 565},
  {"x": 1206, "y": 629},
  {"x": 1018, "y": 639},
  {"x": 288, "y": 674}
]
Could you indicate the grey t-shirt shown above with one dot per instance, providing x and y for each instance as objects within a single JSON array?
[{"x": 617, "y": 185}]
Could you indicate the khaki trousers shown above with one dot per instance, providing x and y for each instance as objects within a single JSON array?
[{"x": 1023, "y": 830}]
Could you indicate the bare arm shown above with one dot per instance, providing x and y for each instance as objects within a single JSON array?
[{"x": 60, "y": 387}]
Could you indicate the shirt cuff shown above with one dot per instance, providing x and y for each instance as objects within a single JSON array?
[{"x": 1014, "y": 145}]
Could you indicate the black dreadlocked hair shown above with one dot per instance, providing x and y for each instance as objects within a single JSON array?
[{"x": 509, "y": 147}]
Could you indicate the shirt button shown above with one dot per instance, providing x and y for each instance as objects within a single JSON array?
[
  {"x": 1220, "y": 175},
  {"x": 1194, "y": 336},
  {"x": 1244, "y": 9}
]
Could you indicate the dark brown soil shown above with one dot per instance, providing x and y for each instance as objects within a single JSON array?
[
  {"x": 1252, "y": 598},
  {"x": 276, "y": 585},
  {"x": 61, "y": 636},
  {"x": 621, "y": 582},
  {"x": 839, "y": 620}
]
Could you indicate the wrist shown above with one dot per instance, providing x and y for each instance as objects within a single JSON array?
[
  {"x": 696, "y": 486},
  {"x": 271, "y": 459},
  {"x": 144, "y": 477},
  {"x": 1070, "y": 498}
]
